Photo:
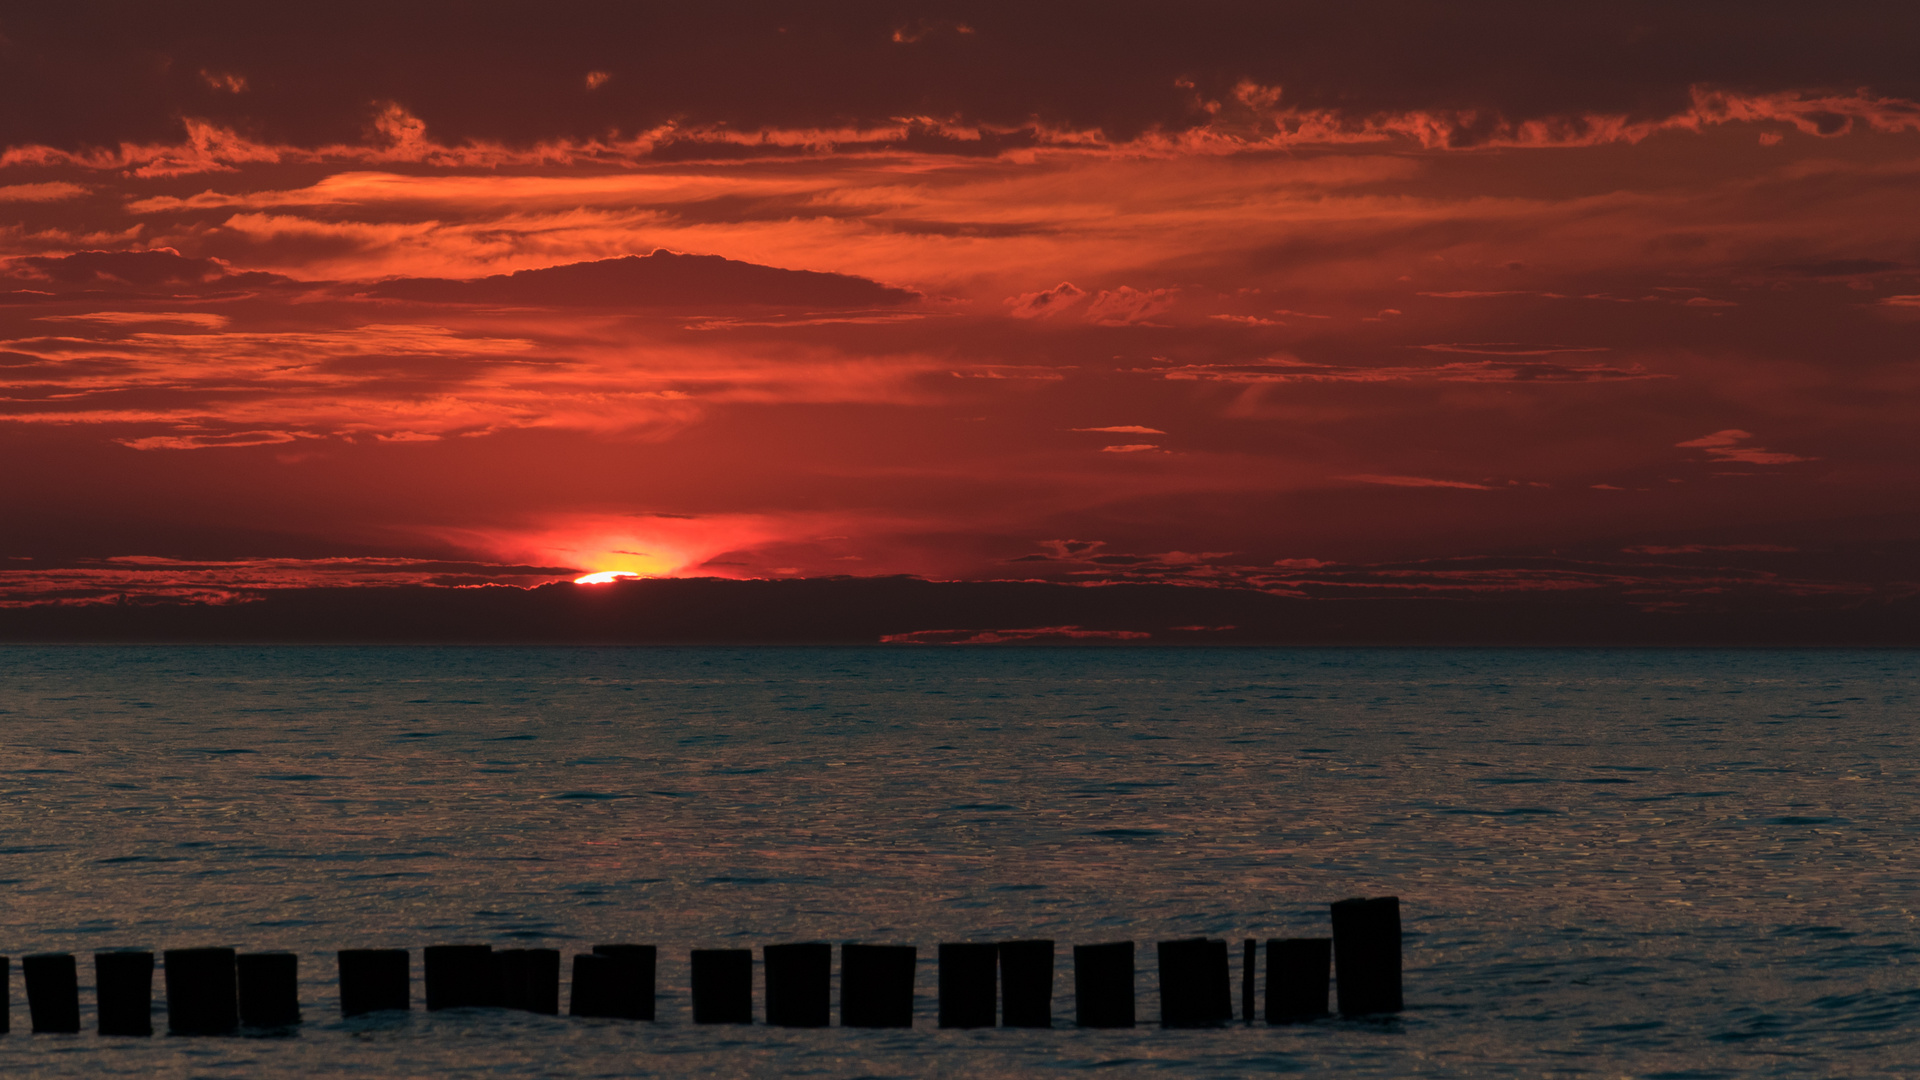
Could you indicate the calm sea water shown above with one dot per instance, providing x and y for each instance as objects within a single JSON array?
[{"x": 1674, "y": 864}]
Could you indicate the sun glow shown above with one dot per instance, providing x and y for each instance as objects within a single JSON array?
[{"x": 605, "y": 576}]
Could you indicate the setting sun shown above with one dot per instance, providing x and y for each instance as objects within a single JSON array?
[{"x": 606, "y": 576}]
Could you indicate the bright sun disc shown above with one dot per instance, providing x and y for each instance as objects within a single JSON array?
[{"x": 605, "y": 576}]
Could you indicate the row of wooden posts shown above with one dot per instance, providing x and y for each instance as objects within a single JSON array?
[{"x": 217, "y": 992}]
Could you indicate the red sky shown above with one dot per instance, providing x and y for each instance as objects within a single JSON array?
[{"x": 1389, "y": 301}]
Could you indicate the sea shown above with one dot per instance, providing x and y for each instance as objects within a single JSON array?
[{"x": 1610, "y": 863}]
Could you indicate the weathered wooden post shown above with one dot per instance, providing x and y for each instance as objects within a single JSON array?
[
  {"x": 461, "y": 976},
  {"x": 799, "y": 983},
  {"x": 614, "y": 981},
  {"x": 1026, "y": 984},
  {"x": 1103, "y": 984},
  {"x": 967, "y": 985},
  {"x": 876, "y": 985},
  {"x": 269, "y": 989},
  {"x": 53, "y": 992},
  {"x": 1297, "y": 971},
  {"x": 512, "y": 966},
  {"x": 123, "y": 991},
  {"x": 1195, "y": 990},
  {"x": 1366, "y": 955},
  {"x": 1249, "y": 955},
  {"x": 202, "y": 992},
  {"x": 374, "y": 980},
  {"x": 540, "y": 981},
  {"x": 722, "y": 986},
  {"x": 633, "y": 979}
]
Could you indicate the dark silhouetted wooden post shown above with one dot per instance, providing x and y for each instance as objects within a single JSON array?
[
  {"x": 373, "y": 980},
  {"x": 462, "y": 976},
  {"x": 967, "y": 985},
  {"x": 799, "y": 981},
  {"x": 529, "y": 980},
  {"x": 723, "y": 986},
  {"x": 202, "y": 992},
  {"x": 1103, "y": 984},
  {"x": 1195, "y": 988},
  {"x": 614, "y": 981},
  {"x": 123, "y": 990},
  {"x": 540, "y": 981},
  {"x": 1366, "y": 955},
  {"x": 269, "y": 989},
  {"x": 512, "y": 966},
  {"x": 1297, "y": 970},
  {"x": 1249, "y": 956},
  {"x": 1026, "y": 984},
  {"x": 876, "y": 986},
  {"x": 53, "y": 992},
  {"x": 592, "y": 993}
]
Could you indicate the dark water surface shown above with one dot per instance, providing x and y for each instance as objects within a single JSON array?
[{"x": 1612, "y": 863}]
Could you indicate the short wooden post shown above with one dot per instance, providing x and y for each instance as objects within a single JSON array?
[
  {"x": 799, "y": 984},
  {"x": 269, "y": 989},
  {"x": 614, "y": 981},
  {"x": 1366, "y": 955},
  {"x": 1103, "y": 984},
  {"x": 722, "y": 986},
  {"x": 374, "y": 980},
  {"x": 1249, "y": 954},
  {"x": 1195, "y": 990},
  {"x": 461, "y": 976},
  {"x": 512, "y": 967},
  {"x": 202, "y": 992},
  {"x": 876, "y": 985},
  {"x": 1026, "y": 984},
  {"x": 53, "y": 992},
  {"x": 1297, "y": 972},
  {"x": 123, "y": 991},
  {"x": 967, "y": 996},
  {"x": 592, "y": 993},
  {"x": 539, "y": 990}
]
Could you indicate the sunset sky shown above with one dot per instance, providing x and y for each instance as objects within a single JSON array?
[{"x": 1376, "y": 300}]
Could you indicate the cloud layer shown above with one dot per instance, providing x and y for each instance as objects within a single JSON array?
[{"x": 1253, "y": 297}]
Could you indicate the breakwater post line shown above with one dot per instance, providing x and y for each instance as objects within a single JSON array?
[{"x": 214, "y": 991}]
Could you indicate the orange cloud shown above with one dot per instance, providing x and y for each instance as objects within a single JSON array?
[
  {"x": 1412, "y": 481},
  {"x": 1726, "y": 446}
]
